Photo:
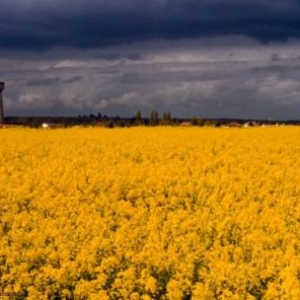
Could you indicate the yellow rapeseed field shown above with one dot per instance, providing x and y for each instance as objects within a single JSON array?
[{"x": 150, "y": 213}]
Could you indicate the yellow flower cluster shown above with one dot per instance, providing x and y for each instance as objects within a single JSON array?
[{"x": 150, "y": 213}]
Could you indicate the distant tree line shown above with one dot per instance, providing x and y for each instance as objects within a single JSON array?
[{"x": 153, "y": 119}]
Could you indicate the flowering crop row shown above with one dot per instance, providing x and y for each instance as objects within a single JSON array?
[{"x": 150, "y": 213}]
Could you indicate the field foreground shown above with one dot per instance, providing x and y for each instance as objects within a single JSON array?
[{"x": 150, "y": 213}]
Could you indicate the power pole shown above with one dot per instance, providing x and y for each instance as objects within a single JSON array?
[{"x": 1, "y": 104}]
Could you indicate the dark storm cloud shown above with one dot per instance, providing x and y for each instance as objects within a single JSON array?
[{"x": 88, "y": 24}]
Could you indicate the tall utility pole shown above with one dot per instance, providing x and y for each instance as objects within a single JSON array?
[{"x": 1, "y": 104}]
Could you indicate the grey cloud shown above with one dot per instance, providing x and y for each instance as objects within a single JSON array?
[
  {"x": 73, "y": 79},
  {"x": 43, "y": 81},
  {"x": 187, "y": 78},
  {"x": 119, "y": 55}
]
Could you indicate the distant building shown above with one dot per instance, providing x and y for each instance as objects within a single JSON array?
[
  {"x": 185, "y": 124},
  {"x": 234, "y": 124}
]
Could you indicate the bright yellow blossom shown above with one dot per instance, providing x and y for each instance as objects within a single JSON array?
[{"x": 150, "y": 213}]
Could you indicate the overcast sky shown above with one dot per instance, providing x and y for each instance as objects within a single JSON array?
[{"x": 204, "y": 58}]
